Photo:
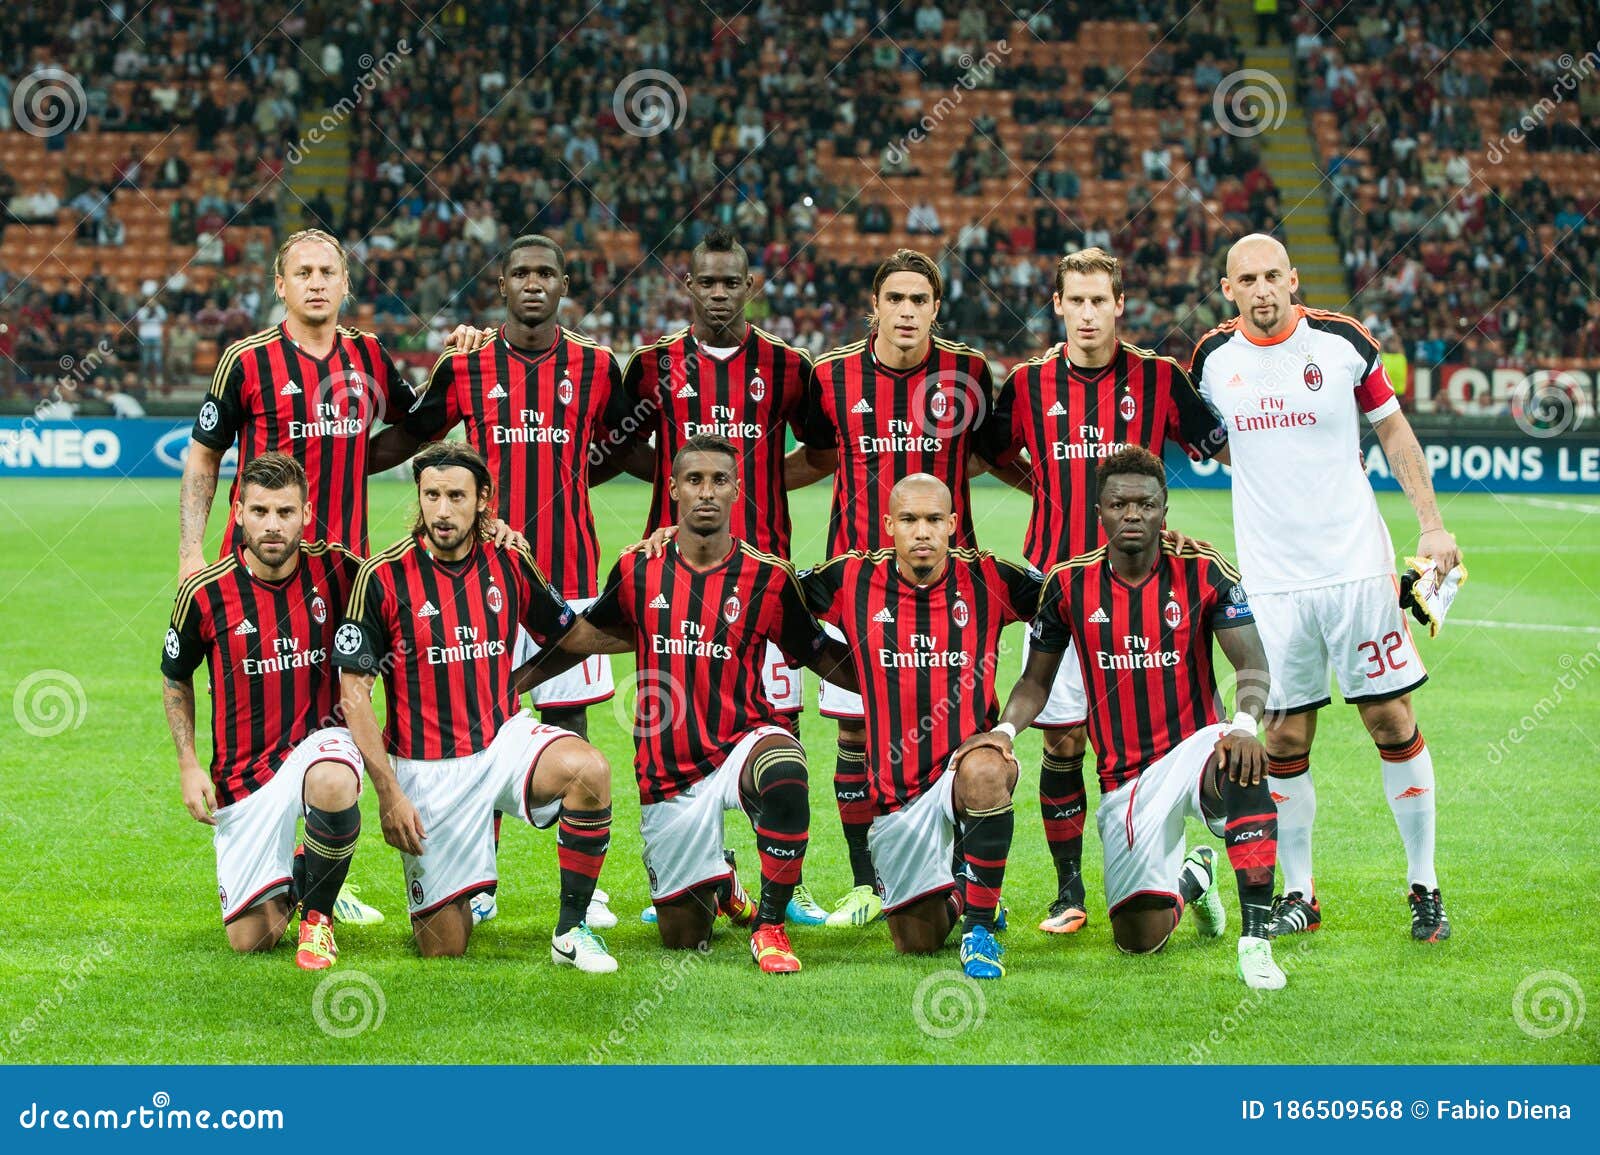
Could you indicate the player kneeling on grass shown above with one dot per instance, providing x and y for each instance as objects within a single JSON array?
[
  {"x": 922, "y": 622},
  {"x": 1142, "y": 612},
  {"x": 264, "y": 618},
  {"x": 437, "y": 615},
  {"x": 699, "y": 616}
]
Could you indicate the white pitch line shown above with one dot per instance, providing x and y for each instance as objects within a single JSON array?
[
  {"x": 1558, "y": 629},
  {"x": 1551, "y": 503}
]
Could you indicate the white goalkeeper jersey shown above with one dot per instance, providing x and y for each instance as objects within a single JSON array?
[{"x": 1304, "y": 514}]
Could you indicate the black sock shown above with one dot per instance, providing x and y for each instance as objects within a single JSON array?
[
  {"x": 1062, "y": 804},
  {"x": 1252, "y": 838},
  {"x": 987, "y": 841},
  {"x": 573, "y": 719},
  {"x": 330, "y": 843},
  {"x": 582, "y": 838},
  {"x": 783, "y": 819},
  {"x": 297, "y": 877},
  {"x": 855, "y": 810}
]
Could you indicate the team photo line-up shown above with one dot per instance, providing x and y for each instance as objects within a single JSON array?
[{"x": 497, "y": 592}]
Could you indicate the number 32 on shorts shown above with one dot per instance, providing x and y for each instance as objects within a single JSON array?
[{"x": 1382, "y": 654}]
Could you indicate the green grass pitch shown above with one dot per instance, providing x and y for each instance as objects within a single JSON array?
[{"x": 112, "y": 950}]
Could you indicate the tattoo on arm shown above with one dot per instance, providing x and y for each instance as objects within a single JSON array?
[
  {"x": 178, "y": 698},
  {"x": 1409, "y": 465},
  {"x": 199, "y": 488}
]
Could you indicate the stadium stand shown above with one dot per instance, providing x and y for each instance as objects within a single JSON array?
[{"x": 826, "y": 134}]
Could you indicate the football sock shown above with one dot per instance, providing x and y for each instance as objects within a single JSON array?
[
  {"x": 573, "y": 719},
  {"x": 855, "y": 811},
  {"x": 1252, "y": 838},
  {"x": 783, "y": 819},
  {"x": 1296, "y": 798},
  {"x": 956, "y": 904},
  {"x": 987, "y": 841},
  {"x": 1190, "y": 884},
  {"x": 582, "y": 837},
  {"x": 1408, "y": 783},
  {"x": 330, "y": 843},
  {"x": 297, "y": 877},
  {"x": 1061, "y": 802}
]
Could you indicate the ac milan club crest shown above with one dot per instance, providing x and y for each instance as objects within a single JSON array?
[
  {"x": 1127, "y": 408},
  {"x": 319, "y": 610},
  {"x": 959, "y": 614},
  {"x": 1172, "y": 615},
  {"x": 939, "y": 405},
  {"x": 495, "y": 599},
  {"x": 1313, "y": 377},
  {"x": 564, "y": 391},
  {"x": 758, "y": 388},
  {"x": 730, "y": 609},
  {"x": 416, "y": 892}
]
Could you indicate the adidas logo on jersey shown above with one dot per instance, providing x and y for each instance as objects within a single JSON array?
[
  {"x": 495, "y": 393},
  {"x": 290, "y": 389},
  {"x": 243, "y": 628},
  {"x": 686, "y": 391},
  {"x": 659, "y": 602},
  {"x": 883, "y": 615},
  {"x": 1098, "y": 618},
  {"x": 1056, "y": 410},
  {"x": 861, "y": 407},
  {"x": 428, "y": 610}
]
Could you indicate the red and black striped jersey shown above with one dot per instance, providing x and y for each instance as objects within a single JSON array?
[
  {"x": 270, "y": 394},
  {"x": 443, "y": 635},
  {"x": 268, "y": 645},
  {"x": 1069, "y": 418},
  {"x": 1145, "y": 649},
  {"x": 676, "y": 389},
  {"x": 534, "y": 417},
  {"x": 926, "y": 656},
  {"x": 891, "y": 423},
  {"x": 700, "y": 639}
]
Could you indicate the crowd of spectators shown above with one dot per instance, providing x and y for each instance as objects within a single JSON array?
[
  {"x": 1461, "y": 260},
  {"x": 629, "y": 129}
]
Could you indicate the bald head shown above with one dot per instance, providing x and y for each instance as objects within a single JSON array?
[
  {"x": 1262, "y": 284},
  {"x": 920, "y": 488},
  {"x": 921, "y": 521}
]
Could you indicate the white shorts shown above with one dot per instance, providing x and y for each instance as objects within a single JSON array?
[
  {"x": 583, "y": 685},
  {"x": 781, "y": 681},
  {"x": 1067, "y": 705},
  {"x": 833, "y": 701},
  {"x": 456, "y": 799},
  {"x": 683, "y": 836},
  {"x": 1356, "y": 627},
  {"x": 912, "y": 848},
  {"x": 1141, "y": 822},
  {"x": 255, "y": 836}
]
